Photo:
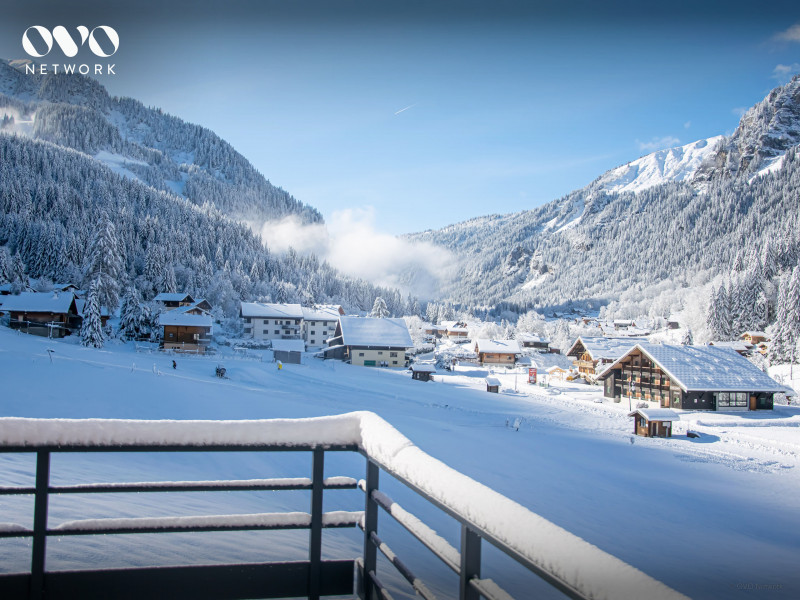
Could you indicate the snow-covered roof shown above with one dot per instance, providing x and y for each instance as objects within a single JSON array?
[
  {"x": 492, "y": 381},
  {"x": 182, "y": 319},
  {"x": 656, "y": 414},
  {"x": 605, "y": 348},
  {"x": 169, "y": 297},
  {"x": 423, "y": 368},
  {"x": 434, "y": 327},
  {"x": 706, "y": 368},
  {"x": 531, "y": 339},
  {"x": 321, "y": 313},
  {"x": 457, "y": 330},
  {"x": 47, "y": 302},
  {"x": 379, "y": 333},
  {"x": 289, "y": 345},
  {"x": 738, "y": 345},
  {"x": 754, "y": 334},
  {"x": 190, "y": 307},
  {"x": 272, "y": 311},
  {"x": 498, "y": 346}
]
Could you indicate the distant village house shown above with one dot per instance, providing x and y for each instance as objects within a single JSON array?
[{"x": 370, "y": 342}]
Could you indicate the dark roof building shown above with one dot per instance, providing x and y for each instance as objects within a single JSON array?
[{"x": 690, "y": 378}]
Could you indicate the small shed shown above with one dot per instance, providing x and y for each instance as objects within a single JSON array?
[
  {"x": 492, "y": 385},
  {"x": 653, "y": 422},
  {"x": 423, "y": 372},
  {"x": 288, "y": 351}
]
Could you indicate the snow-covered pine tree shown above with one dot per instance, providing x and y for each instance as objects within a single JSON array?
[
  {"x": 379, "y": 309},
  {"x": 5, "y": 265},
  {"x": 104, "y": 263},
  {"x": 134, "y": 316},
  {"x": 92, "y": 326},
  {"x": 688, "y": 338},
  {"x": 167, "y": 284}
]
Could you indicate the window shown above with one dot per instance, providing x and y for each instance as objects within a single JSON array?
[
  {"x": 313, "y": 332},
  {"x": 265, "y": 332},
  {"x": 361, "y": 354},
  {"x": 394, "y": 362},
  {"x": 393, "y": 354},
  {"x": 247, "y": 319},
  {"x": 248, "y": 330},
  {"x": 276, "y": 332}
]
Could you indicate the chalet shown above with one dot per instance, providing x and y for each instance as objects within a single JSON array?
[
  {"x": 498, "y": 352},
  {"x": 739, "y": 346},
  {"x": 690, "y": 378},
  {"x": 272, "y": 321},
  {"x": 528, "y": 340},
  {"x": 623, "y": 324},
  {"x": 754, "y": 337},
  {"x": 184, "y": 331},
  {"x": 370, "y": 342},
  {"x": 288, "y": 351},
  {"x": 170, "y": 300},
  {"x": 653, "y": 422},
  {"x": 493, "y": 385},
  {"x": 319, "y": 323},
  {"x": 457, "y": 333},
  {"x": 203, "y": 304},
  {"x": 592, "y": 354},
  {"x": 422, "y": 372},
  {"x": 43, "y": 314}
]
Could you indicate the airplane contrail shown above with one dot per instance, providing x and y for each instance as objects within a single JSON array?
[{"x": 406, "y": 108}]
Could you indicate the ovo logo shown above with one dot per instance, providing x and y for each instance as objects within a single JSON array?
[{"x": 65, "y": 41}]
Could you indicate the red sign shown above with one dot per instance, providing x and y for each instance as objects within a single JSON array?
[{"x": 532, "y": 375}]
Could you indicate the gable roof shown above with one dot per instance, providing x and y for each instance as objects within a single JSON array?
[
  {"x": 498, "y": 346},
  {"x": 170, "y": 297},
  {"x": 184, "y": 319},
  {"x": 656, "y": 414},
  {"x": 605, "y": 348},
  {"x": 378, "y": 333},
  {"x": 705, "y": 368},
  {"x": 423, "y": 368},
  {"x": 31, "y": 302},
  {"x": 271, "y": 311}
]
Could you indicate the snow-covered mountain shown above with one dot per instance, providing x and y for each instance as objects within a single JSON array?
[
  {"x": 666, "y": 215},
  {"x": 141, "y": 143},
  {"x": 672, "y": 164}
]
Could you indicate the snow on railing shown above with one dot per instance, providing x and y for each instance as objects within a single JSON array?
[{"x": 568, "y": 562}]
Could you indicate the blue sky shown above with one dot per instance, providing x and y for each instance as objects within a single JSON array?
[{"x": 507, "y": 104}]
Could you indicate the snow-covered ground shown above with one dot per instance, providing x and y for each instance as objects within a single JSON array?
[{"x": 713, "y": 517}]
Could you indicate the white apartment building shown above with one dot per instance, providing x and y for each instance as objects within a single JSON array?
[{"x": 313, "y": 325}]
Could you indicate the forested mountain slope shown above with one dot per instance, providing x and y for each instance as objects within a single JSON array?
[{"x": 595, "y": 243}]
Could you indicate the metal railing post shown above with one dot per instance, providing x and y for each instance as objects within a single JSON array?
[
  {"x": 470, "y": 563},
  {"x": 315, "y": 535},
  {"x": 366, "y": 587},
  {"x": 39, "y": 525}
]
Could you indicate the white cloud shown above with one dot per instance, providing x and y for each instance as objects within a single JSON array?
[
  {"x": 352, "y": 244},
  {"x": 659, "y": 143},
  {"x": 790, "y": 35},
  {"x": 783, "y": 73}
]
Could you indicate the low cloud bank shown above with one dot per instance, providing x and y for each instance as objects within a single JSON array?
[{"x": 351, "y": 243}]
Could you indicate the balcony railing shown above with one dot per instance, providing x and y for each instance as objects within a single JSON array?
[{"x": 484, "y": 515}]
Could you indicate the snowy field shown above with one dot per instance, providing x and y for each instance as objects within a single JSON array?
[{"x": 714, "y": 517}]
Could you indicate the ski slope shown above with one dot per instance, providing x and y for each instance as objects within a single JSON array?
[{"x": 714, "y": 517}]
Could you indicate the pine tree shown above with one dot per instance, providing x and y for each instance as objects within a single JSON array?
[
  {"x": 104, "y": 263},
  {"x": 92, "y": 326},
  {"x": 134, "y": 316},
  {"x": 688, "y": 338},
  {"x": 379, "y": 309}
]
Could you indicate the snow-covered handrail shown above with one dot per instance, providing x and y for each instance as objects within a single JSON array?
[{"x": 569, "y": 562}]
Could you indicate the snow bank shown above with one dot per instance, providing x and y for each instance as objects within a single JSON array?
[{"x": 578, "y": 565}]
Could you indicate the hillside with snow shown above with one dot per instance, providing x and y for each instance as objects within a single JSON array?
[
  {"x": 676, "y": 214},
  {"x": 558, "y": 451}
]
